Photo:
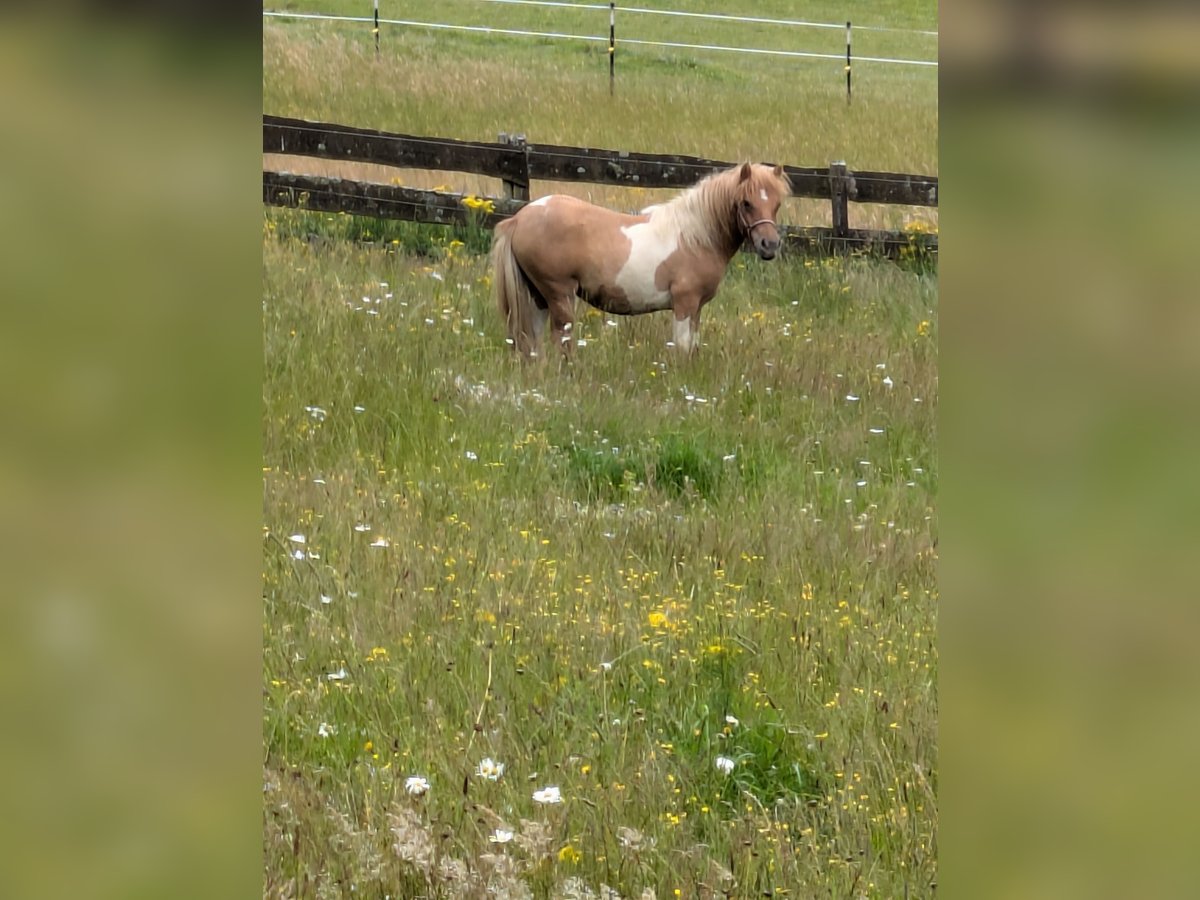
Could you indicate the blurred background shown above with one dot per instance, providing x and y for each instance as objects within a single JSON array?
[
  {"x": 130, "y": 465},
  {"x": 1068, "y": 431}
]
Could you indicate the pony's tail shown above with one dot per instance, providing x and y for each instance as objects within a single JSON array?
[{"x": 513, "y": 296}]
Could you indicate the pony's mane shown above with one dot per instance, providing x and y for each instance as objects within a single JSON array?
[{"x": 703, "y": 214}]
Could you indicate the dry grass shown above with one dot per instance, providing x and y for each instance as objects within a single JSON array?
[{"x": 725, "y": 109}]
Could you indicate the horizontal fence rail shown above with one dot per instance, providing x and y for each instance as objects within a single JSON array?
[
  {"x": 382, "y": 201},
  {"x": 519, "y": 163}
]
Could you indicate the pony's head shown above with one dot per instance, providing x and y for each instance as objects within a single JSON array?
[{"x": 759, "y": 193}]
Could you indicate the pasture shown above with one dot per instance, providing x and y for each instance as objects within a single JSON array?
[{"x": 695, "y": 596}]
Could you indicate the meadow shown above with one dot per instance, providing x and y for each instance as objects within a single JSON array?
[{"x": 637, "y": 626}]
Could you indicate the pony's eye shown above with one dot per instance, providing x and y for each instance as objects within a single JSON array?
[{"x": 745, "y": 204}]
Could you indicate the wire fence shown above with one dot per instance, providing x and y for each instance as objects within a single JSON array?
[
  {"x": 722, "y": 17},
  {"x": 552, "y": 35}
]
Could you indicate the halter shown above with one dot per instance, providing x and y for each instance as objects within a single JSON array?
[{"x": 750, "y": 228}]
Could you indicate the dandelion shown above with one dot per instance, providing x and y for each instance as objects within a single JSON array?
[
  {"x": 501, "y": 836},
  {"x": 923, "y": 327},
  {"x": 490, "y": 769},
  {"x": 549, "y": 794},
  {"x": 568, "y": 854},
  {"x": 479, "y": 204},
  {"x": 657, "y": 619},
  {"x": 416, "y": 785},
  {"x": 724, "y": 764}
]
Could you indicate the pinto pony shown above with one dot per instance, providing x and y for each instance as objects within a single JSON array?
[{"x": 671, "y": 256}]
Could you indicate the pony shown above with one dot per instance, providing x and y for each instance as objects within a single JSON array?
[{"x": 670, "y": 256}]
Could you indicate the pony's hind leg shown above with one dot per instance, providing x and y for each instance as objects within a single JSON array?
[
  {"x": 560, "y": 309},
  {"x": 540, "y": 315},
  {"x": 562, "y": 320}
]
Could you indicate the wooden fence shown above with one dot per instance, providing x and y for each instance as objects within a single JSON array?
[{"x": 516, "y": 163}]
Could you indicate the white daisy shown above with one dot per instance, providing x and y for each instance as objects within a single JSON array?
[
  {"x": 548, "y": 795},
  {"x": 416, "y": 785},
  {"x": 490, "y": 769}
]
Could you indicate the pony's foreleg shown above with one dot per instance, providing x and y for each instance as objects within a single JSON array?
[{"x": 686, "y": 330}]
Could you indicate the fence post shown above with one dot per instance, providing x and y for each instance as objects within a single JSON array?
[
  {"x": 517, "y": 190},
  {"x": 376, "y": 27},
  {"x": 612, "y": 46},
  {"x": 839, "y": 185},
  {"x": 847, "y": 62}
]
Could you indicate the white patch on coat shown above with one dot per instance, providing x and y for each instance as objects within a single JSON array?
[
  {"x": 683, "y": 334},
  {"x": 763, "y": 194},
  {"x": 648, "y": 250}
]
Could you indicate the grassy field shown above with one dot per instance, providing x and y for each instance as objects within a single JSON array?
[
  {"x": 695, "y": 596},
  {"x": 717, "y": 105}
]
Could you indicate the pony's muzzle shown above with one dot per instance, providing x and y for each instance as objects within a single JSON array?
[{"x": 766, "y": 247}]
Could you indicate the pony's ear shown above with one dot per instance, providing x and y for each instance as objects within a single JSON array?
[
  {"x": 779, "y": 171},
  {"x": 744, "y": 175}
]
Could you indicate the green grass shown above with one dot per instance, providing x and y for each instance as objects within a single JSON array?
[
  {"x": 545, "y": 520},
  {"x": 604, "y": 575},
  {"x": 721, "y": 105}
]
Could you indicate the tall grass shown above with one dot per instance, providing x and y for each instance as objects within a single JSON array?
[
  {"x": 604, "y": 576},
  {"x": 697, "y": 596}
]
